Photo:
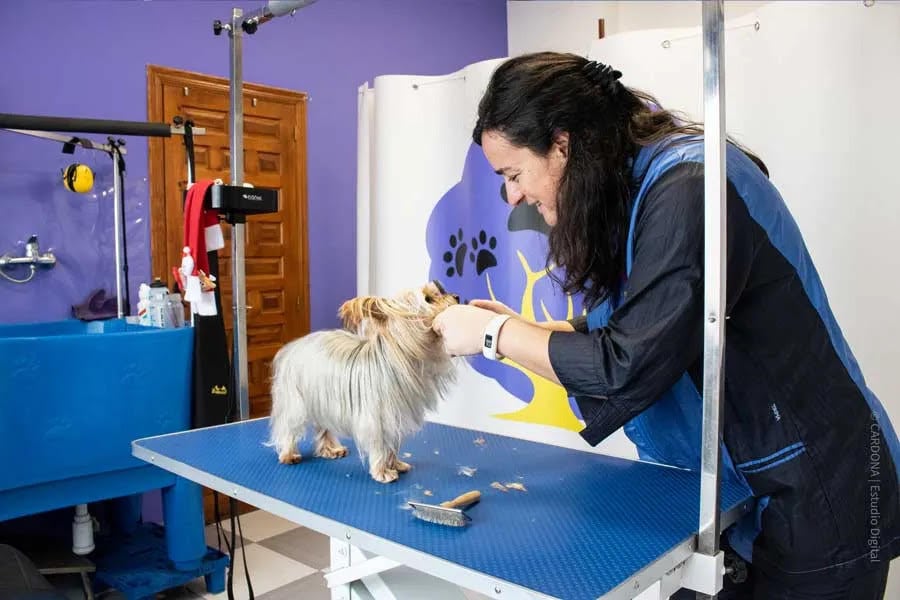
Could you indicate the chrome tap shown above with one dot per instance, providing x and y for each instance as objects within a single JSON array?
[
  {"x": 32, "y": 248},
  {"x": 33, "y": 258}
]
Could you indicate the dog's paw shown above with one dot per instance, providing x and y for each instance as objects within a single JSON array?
[
  {"x": 385, "y": 475},
  {"x": 289, "y": 458},
  {"x": 402, "y": 467},
  {"x": 332, "y": 452}
]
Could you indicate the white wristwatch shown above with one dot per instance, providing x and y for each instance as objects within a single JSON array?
[{"x": 490, "y": 337}]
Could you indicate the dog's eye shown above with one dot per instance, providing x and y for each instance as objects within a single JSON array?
[{"x": 429, "y": 299}]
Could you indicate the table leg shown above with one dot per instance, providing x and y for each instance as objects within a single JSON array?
[{"x": 350, "y": 567}]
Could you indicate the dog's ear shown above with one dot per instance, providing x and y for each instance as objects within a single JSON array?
[
  {"x": 353, "y": 312},
  {"x": 350, "y": 314}
]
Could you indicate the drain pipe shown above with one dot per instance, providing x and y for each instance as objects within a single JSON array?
[{"x": 82, "y": 531}]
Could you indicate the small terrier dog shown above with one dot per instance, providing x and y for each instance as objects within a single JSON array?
[{"x": 373, "y": 381}]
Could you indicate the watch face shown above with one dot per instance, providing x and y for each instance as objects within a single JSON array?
[{"x": 488, "y": 341}]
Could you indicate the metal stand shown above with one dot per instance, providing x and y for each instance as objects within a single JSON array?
[
  {"x": 708, "y": 553},
  {"x": 236, "y": 26},
  {"x": 116, "y": 153},
  {"x": 43, "y": 126},
  {"x": 238, "y": 277},
  {"x": 115, "y": 150}
]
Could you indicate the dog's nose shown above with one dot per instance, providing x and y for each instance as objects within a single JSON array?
[{"x": 455, "y": 297}]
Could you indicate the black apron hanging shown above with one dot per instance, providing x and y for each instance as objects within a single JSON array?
[{"x": 212, "y": 398}]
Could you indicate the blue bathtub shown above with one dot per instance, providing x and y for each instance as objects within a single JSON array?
[{"x": 73, "y": 396}]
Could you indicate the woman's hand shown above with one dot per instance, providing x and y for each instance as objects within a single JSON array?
[
  {"x": 494, "y": 306},
  {"x": 462, "y": 327}
]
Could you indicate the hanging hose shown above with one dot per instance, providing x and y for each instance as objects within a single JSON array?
[{"x": 14, "y": 280}]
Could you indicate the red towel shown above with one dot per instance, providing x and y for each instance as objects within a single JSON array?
[{"x": 196, "y": 220}]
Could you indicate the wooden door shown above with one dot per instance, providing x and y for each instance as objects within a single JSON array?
[{"x": 276, "y": 255}]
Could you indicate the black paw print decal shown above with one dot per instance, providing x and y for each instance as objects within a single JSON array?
[
  {"x": 482, "y": 256},
  {"x": 455, "y": 257}
]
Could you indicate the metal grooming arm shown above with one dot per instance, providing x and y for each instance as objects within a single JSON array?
[
  {"x": 77, "y": 125},
  {"x": 236, "y": 26},
  {"x": 274, "y": 8},
  {"x": 703, "y": 569},
  {"x": 709, "y": 557}
]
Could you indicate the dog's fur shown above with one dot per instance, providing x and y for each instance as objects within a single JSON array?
[{"x": 373, "y": 381}]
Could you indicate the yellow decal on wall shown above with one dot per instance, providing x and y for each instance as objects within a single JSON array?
[{"x": 549, "y": 404}]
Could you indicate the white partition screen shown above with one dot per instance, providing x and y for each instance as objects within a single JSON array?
[{"x": 809, "y": 88}]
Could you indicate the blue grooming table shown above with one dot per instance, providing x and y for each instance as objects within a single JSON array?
[{"x": 586, "y": 526}]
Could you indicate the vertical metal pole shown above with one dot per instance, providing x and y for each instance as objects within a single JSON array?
[
  {"x": 118, "y": 218},
  {"x": 239, "y": 286},
  {"x": 715, "y": 270}
]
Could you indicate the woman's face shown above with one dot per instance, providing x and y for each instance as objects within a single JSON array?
[{"x": 528, "y": 176}]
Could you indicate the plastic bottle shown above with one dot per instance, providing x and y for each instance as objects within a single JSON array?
[
  {"x": 158, "y": 304},
  {"x": 175, "y": 310},
  {"x": 143, "y": 305}
]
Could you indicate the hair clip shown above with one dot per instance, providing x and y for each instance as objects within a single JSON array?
[{"x": 603, "y": 76}]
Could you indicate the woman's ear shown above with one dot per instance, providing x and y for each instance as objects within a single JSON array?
[{"x": 561, "y": 143}]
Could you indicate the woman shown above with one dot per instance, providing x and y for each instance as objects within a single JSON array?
[{"x": 620, "y": 183}]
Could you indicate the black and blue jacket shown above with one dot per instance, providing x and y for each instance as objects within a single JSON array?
[{"x": 802, "y": 431}]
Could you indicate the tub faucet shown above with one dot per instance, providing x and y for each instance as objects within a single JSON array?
[
  {"x": 33, "y": 258},
  {"x": 32, "y": 248}
]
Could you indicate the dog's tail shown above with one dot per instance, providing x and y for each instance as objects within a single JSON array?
[{"x": 288, "y": 415}]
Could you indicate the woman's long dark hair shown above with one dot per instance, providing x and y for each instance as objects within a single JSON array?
[{"x": 532, "y": 98}]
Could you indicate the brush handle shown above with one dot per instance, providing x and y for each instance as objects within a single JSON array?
[{"x": 464, "y": 500}]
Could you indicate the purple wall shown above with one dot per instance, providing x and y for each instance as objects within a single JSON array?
[{"x": 88, "y": 59}]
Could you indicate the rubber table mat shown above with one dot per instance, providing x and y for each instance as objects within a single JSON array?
[{"x": 583, "y": 524}]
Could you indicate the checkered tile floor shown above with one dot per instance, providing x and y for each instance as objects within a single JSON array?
[{"x": 285, "y": 562}]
